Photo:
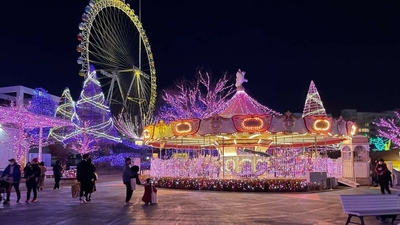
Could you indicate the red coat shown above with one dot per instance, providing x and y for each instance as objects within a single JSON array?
[{"x": 147, "y": 193}]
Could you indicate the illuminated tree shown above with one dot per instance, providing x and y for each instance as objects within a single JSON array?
[
  {"x": 65, "y": 110},
  {"x": 84, "y": 142},
  {"x": 313, "y": 105},
  {"x": 195, "y": 98},
  {"x": 389, "y": 129},
  {"x": 18, "y": 122},
  {"x": 92, "y": 107},
  {"x": 42, "y": 104}
]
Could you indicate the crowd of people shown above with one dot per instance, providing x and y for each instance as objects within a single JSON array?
[{"x": 35, "y": 173}]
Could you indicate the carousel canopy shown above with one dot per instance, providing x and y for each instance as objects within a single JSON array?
[{"x": 242, "y": 104}]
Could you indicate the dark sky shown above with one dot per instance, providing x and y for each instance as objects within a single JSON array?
[{"x": 351, "y": 49}]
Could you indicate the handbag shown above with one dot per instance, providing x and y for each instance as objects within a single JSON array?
[
  {"x": 133, "y": 184},
  {"x": 75, "y": 190},
  {"x": 154, "y": 199}
]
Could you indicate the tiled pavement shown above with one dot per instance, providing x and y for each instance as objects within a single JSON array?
[{"x": 180, "y": 207}]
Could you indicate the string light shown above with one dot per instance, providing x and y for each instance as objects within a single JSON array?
[
  {"x": 389, "y": 129},
  {"x": 19, "y": 118},
  {"x": 242, "y": 104},
  {"x": 242, "y": 185},
  {"x": 380, "y": 144},
  {"x": 92, "y": 107},
  {"x": 65, "y": 111},
  {"x": 313, "y": 105}
]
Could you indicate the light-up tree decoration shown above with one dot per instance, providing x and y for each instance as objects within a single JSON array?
[
  {"x": 41, "y": 104},
  {"x": 84, "y": 142},
  {"x": 379, "y": 143},
  {"x": 18, "y": 118},
  {"x": 92, "y": 107},
  {"x": 65, "y": 110},
  {"x": 313, "y": 105},
  {"x": 389, "y": 129},
  {"x": 196, "y": 98}
]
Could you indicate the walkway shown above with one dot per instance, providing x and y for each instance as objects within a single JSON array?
[{"x": 180, "y": 207}]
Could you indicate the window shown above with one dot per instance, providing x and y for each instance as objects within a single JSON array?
[
  {"x": 363, "y": 130},
  {"x": 360, "y": 154}
]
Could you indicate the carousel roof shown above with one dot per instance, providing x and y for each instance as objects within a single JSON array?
[{"x": 242, "y": 104}]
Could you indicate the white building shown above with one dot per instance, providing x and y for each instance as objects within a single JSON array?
[{"x": 21, "y": 95}]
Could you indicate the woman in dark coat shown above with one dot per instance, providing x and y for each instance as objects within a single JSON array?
[
  {"x": 32, "y": 175},
  {"x": 57, "y": 173},
  {"x": 92, "y": 186}
]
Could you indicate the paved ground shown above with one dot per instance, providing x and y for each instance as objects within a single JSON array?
[{"x": 180, "y": 207}]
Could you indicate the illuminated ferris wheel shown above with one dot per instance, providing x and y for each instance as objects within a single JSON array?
[{"x": 114, "y": 42}]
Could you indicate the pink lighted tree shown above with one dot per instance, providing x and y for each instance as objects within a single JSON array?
[
  {"x": 389, "y": 129},
  {"x": 18, "y": 124},
  {"x": 83, "y": 142},
  {"x": 195, "y": 98}
]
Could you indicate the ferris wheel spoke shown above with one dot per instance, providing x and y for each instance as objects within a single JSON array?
[{"x": 108, "y": 52}]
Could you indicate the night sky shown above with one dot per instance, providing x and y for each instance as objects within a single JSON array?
[{"x": 351, "y": 49}]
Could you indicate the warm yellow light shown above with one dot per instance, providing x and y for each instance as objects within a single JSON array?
[
  {"x": 183, "y": 127},
  {"x": 321, "y": 125},
  {"x": 353, "y": 130}
]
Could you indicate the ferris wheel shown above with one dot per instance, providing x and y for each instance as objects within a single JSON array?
[{"x": 113, "y": 40}]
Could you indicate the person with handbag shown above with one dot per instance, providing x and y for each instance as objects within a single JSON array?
[
  {"x": 32, "y": 175},
  {"x": 84, "y": 177},
  {"x": 12, "y": 175}
]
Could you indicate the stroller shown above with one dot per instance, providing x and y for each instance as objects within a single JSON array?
[{"x": 4, "y": 186}]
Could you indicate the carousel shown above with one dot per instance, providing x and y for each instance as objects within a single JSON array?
[{"x": 252, "y": 141}]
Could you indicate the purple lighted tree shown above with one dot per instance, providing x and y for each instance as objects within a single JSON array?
[
  {"x": 195, "y": 99},
  {"x": 92, "y": 107},
  {"x": 65, "y": 110},
  {"x": 389, "y": 129},
  {"x": 313, "y": 105},
  {"x": 42, "y": 104}
]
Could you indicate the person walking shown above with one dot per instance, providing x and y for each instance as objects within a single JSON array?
[
  {"x": 384, "y": 174},
  {"x": 12, "y": 175},
  {"x": 92, "y": 184},
  {"x": 84, "y": 177},
  {"x": 32, "y": 175},
  {"x": 57, "y": 173},
  {"x": 42, "y": 177}
]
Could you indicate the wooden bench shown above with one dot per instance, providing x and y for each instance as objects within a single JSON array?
[{"x": 370, "y": 205}]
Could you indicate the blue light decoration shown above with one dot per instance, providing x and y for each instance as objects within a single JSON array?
[
  {"x": 115, "y": 160},
  {"x": 42, "y": 104},
  {"x": 380, "y": 144},
  {"x": 92, "y": 107}
]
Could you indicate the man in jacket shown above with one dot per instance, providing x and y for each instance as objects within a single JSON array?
[
  {"x": 12, "y": 174},
  {"x": 84, "y": 176},
  {"x": 127, "y": 174}
]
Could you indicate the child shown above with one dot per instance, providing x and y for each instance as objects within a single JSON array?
[{"x": 150, "y": 193}]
